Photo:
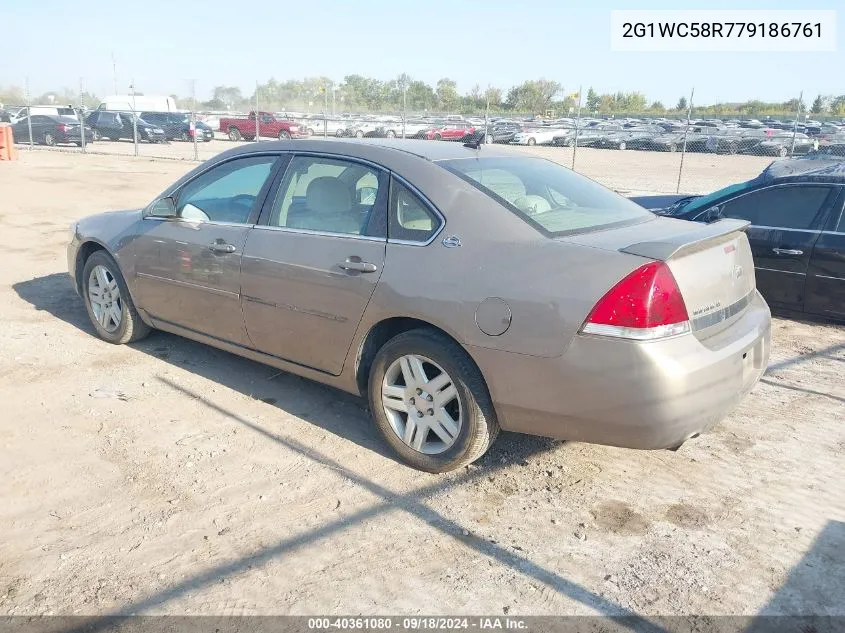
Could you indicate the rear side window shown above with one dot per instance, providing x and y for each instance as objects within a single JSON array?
[
  {"x": 553, "y": 199},
  {"x": 410, "y": 219},
  {"x": 794, "y": 207}
]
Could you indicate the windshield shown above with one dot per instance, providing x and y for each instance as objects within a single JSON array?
[{"x": 550, "y": 197}]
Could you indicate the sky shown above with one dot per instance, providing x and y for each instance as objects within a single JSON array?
[{"x": 164, "y": 45}]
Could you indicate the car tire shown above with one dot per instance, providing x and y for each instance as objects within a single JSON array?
[
  {"x": 488, "y": 139},
  {"x": 622, "y": 146},
  {"x": 477, "y": 425},
  {"x": 438, "y": 137},
  {"x": 532, "y": 141},
  {"x": 570, "y": 142},
  {"x": 359, "y": 134},
  {"x": 285, "y": 135},
  {"x": 733, "y": 148},
  {"x": 184, "y": 137},
  {"x": 96, "y": 135},
  {"x": 78, "y": 143},
  {"x": 390, "y": 134},
  {"x": 673, "y": 147},
  {"x": 48, "y": 139},
  {"x": 235, "y": 134},
  {"x": 783, "y": 152},
  {"x": 310, "y": 131},
  {"x": 131, "y": 328},
  {"x": 339, "y": 133}
]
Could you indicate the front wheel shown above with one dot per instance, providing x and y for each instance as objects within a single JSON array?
[
  {"x": 108, "y": 303},
  {"x": 783, "y": 152},
  {"x": 622, "y": 145},
  {"x": 184, "y": 137},
  {"x": 430, "y": 402},
  {"x": 532, "y": 141},
  {"x": 234, "y": 134},
  {"x": 96, "y": 135},
  {"x": 390, "y": 134},
  {"x": 359, "y": 134},
  {"x": 285, "y": 135}
]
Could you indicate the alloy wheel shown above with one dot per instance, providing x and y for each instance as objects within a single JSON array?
[
  {"x": 421, "y": 403},
  {"x": 104, "y": 295}
]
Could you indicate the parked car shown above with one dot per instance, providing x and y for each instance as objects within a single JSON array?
[
  {"x": 51, "y": 130},
  {"x": 119, "y": 125},
  {"x": 536, "y": 136},
  {"x": 449, "y": 132},
  {"x": 22, "y": 113},
  {"x": 243, "y": 128},
  {"x": 177, "y": 126},
  {"x": 360, "y": 129},
  {"x": 502, "y": 132},
  {"x": 797, "y": 232},
  {"x": 320, "y": 259},
  {"x": 786, "y": 144}
]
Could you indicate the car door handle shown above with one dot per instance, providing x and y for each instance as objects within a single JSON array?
[
  {"x": 221, "y": 247},
  {"x": 787, "y": 251},
  {"x": 358, "y": 266}
]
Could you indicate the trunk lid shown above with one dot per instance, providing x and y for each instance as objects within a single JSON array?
[{"x": 711, "y": 263}]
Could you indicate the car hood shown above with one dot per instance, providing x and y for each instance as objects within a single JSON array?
[{"x": 112, "y": 228}]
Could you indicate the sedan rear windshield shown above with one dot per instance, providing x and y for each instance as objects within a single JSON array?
[{"x": 550, "y": 197}]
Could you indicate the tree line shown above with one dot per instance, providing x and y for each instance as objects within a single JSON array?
[{"x": 357, "y": 93}]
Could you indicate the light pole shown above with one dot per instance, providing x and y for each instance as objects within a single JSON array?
[
  {"x": 334, "y": 101},
  {"x": 404, "y": 106},
  {"x": 134, "y": 118}
]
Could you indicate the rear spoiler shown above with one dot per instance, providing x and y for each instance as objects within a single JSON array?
[{"x": 670, "y": 247}]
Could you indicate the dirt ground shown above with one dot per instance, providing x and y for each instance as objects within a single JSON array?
[
  {"x": 628, "y": 171},
  {"x": 168, "y": 477}
]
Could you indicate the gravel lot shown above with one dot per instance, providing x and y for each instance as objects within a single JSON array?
[
  {"x": 168, "y": 477},
  {"x": 629, "y": 171}
]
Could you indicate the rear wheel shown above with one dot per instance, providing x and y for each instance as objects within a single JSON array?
[
  {"x": 783, "y": 152},
  {"x": 390, "y": 134},
  {"x": 284, "y": 135},
  {"x": 359, "y": 134},
  {"x": 49, "y": 139},
  {"x": 622, "y": 145},
  {"x": 339, "y": 133},
  {"x": 430, "y": 402},
  {"x": 235, "y": 134},
  {"x": 673, "y": 147},
  {"x": 532, "y": 141},
  {"x": 437, "y": 137},
  {"x": 96, "y": 135},
  {"x": 108, "y": 303}
]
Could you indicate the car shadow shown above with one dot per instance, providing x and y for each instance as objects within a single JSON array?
[{"x": 335, "y": 411}]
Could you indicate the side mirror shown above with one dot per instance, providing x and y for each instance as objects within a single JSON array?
[
  {"x": 163, "y": 208},
  {"x": 712, "y": 214},
  {"x": 367, "y": 195}
]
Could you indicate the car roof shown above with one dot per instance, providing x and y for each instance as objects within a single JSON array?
[
  {"x": 812, "y": 168},
  {"x": 375, "y": 149}
]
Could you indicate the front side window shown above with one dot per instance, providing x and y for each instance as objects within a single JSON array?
[
  {"x": 794, "y": 207},
  {"x": 327, "y": 195},
  {"x": 550, "y": 197},
  {"x": 227, "y": 192}
]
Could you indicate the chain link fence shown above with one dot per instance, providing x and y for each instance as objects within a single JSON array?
[{"x": 636, "y": 152}]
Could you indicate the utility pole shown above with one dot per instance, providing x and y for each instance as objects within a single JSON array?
[
  {"x": 325, "y": 112},
  {"x": 795, "y": 125},
  {"x": 114, "y": 72},
  {"x": 686, "y": 131},
  {"x": 28, "y": 112},
  {"x": 134, "y": 118},
  {"x": 487, "y": 115},
  {"x": 194, "y": 116},
  {"x": 81, "y": 115},
  {"x": 257, "y": 123},
  {"x": 577, "y": 126},
  {"x": 404, "y": 106}
]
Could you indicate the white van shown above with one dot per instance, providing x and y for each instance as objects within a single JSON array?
[
  {"x": 139, "y": 103},
  {"x": 45, "y": 110}
]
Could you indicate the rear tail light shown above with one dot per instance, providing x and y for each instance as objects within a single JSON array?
[
  {"x": 63, "y": 128},
  {"x": 645, "y": 305}
]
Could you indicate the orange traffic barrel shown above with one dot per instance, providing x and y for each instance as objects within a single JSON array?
[{"x": 8, "y": 151}]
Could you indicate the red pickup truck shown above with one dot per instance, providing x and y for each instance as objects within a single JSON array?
[{"x": 238, "y": 128}]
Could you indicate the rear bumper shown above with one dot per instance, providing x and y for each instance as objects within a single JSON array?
[{"x": 636, "y": 395}]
